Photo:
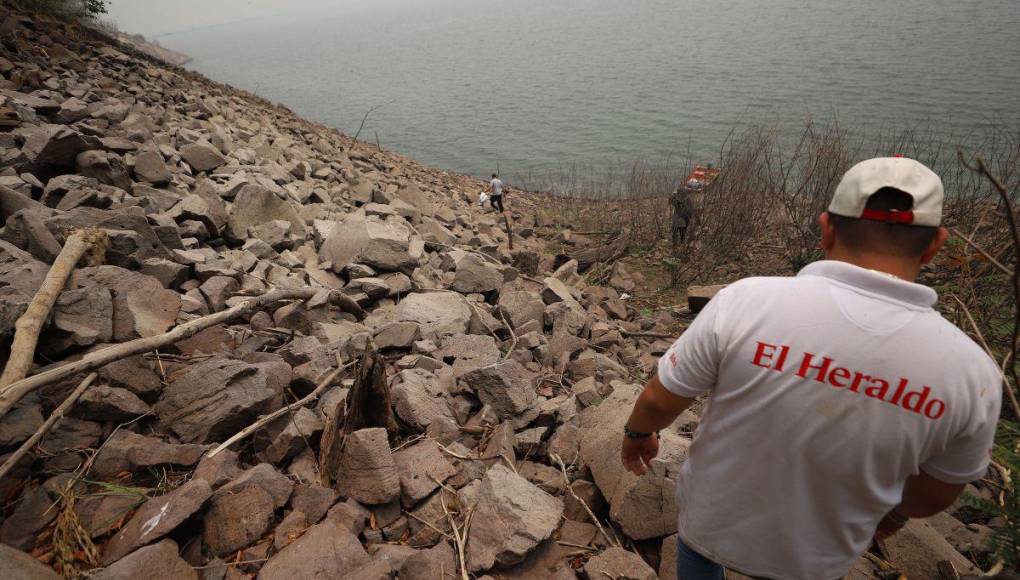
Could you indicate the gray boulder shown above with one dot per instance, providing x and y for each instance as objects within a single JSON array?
[
  {"x": 326, "y": 550},
  {"x": 384, "y": 245},
  {"x": 202, "y": 156},
  {"x": 216, "y": 398},
  {"x": 255, "y": 205},
  {"x": 619, "y": 563},
  {"x": 438, "y": 313},
  {"x": 18, "y": 565},
  {"x": 511, "y": 516},
  {"x": 506, "y": 387}
]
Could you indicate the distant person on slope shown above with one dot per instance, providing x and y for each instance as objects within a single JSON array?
[
  {"x": 841, "y": 403},
  {"x": 496, "y": 193}
]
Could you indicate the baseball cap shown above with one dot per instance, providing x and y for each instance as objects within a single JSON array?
[{"x": 906, "y": 175}]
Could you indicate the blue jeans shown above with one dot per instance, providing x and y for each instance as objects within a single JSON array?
[{"x": 691, "y": 565}]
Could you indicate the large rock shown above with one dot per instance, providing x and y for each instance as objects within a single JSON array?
[
  {"x": 17, "y": 565},
  {"x": 55, "y": 145},
  {"x": 438, "y": 313},
  {"x": 644, "y": 507},
  {"x": 150, "y": 167},
  {"x": 128, "y": 451},
  {"x": 521, "y": 307},
  {"x": 141, "y": 306},
  {"x": 511, "y": 516},
  {"x": 255, "y": 205},
  {"x": 263, "y": 476},
  {"x": 506, "y": 387},
  {"x": 475, "y": 274},
  {"x": 621, "y": 564},
  {"x": 160, "y": 560},
  {"x": 105, "y": 403},
  {"x": 236, "y": 520},
  {"x": 419, "y": 399},
  {"x": 214, "y": 399},
  {"x": 327, "y": 550},
  {"x": 699, "y": 296},
  {"x": 423, "y": 468},
  {"x": 32, "y": 514},
  {"x": 383, "y": 245},
  {"x": 158, "y": 517},
  {"x": 367, "y": 470},
  {"x": 202, "y": 156}
]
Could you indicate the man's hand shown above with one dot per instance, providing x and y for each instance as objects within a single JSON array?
[{"x": 639, "y": 452}]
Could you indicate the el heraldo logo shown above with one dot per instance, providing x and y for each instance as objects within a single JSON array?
[{"x": 825, "y": 370}]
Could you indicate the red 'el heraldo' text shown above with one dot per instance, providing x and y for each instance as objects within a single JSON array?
[{"x": 777, "y": 357}]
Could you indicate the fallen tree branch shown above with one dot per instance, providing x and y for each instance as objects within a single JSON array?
[
  {"x": 41, "y": 432},
  {"x": 263, "y": 421},
  {"x": 647, "y": 334},
  {"x": 12, "y": 393},
  {"x": 30, "y": 324}
]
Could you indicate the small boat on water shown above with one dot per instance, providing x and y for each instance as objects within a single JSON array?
[{"x": 701, "y": 177}]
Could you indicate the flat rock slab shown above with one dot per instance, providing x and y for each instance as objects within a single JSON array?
[
  {"x": 438, "y": 313},
  {"x": 158, "y": 517},
  {"x": 128, "y": 451},
  {"x": 699, "y": 296},
  {"x": 327, "y": 550},
  {"x": 917, "y": 549},
  {"x": 215, "y": 399},
  {"x": 511, "y": 516},
  {"x": 158, "y": 560}
]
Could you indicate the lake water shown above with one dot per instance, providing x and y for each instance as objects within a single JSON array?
[{"x": 538, "y": 85}]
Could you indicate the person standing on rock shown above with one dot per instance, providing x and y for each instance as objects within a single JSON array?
[
  {"x": 841, "y": 403},
  {"x": 496, "y": 194}
]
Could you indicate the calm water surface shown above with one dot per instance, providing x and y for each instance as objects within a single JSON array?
[{"x": 534, "y": 85}]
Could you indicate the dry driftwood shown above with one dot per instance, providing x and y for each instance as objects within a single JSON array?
[
  {"x": 368, "y": 405},
  {"x": 41, "y": 432},
  {"x": 509, "y": 233},
  {"x": 263, "y": 421},
  {"x": 605, "y": 253},
  {"x": 29, "y": 325},
  {"x": 12, "y": 393}
]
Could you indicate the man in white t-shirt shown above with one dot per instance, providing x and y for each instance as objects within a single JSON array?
[
  {"x": 841, "y": 403},
  {"x": 496, "y": 186}
]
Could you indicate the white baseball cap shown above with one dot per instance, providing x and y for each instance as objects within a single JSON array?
[{"x": 906, "y": 175}]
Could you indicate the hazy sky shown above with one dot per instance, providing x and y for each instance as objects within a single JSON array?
[{"x": 152, "y": 18}]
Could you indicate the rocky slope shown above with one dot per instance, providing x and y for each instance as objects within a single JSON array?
[{"x": 497, "y": 363}]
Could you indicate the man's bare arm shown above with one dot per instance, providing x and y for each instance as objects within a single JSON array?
[
  {"x": 655, "y": 409},
  {"x": 925, "y": 496}
]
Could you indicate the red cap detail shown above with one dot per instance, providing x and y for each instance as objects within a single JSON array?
[
  {"x": 897, "y": 155},
  {"x": 891, "y": 216}
]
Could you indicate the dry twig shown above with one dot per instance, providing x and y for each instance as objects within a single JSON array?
[
  {"x": 12, "y": 393},
  {"x": 265, "y": 420},
  {"x": 30, "y": 324},
  {"x": 41, "y": 432}
]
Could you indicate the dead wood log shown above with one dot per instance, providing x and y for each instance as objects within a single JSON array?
[
  {"x": 368, "y": 405},
  {"x": 29, "y": 325},
  {"x": 605, "y": 253},
  {"x": 263, "y": 421},
  {"x": 13, "y": 392},
  {"x": 41, "y": 432},
  {"x": 509, "y": 233}
]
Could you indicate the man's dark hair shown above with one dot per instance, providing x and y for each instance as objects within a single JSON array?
[
  {"x": 494, "y": 176},
  {"x": 902, "y": 240}
]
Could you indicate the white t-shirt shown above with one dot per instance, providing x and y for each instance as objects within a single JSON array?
[
  {"x": 828, "y": 390},
  {"x": 497, "y": 187}
]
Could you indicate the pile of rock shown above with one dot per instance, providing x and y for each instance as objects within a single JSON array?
[
  {"x": 210, "y": 196},
  {"x": 498, "y": 365}
]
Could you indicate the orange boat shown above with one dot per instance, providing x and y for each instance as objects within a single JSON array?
[{"x": 701, "y": 177}]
